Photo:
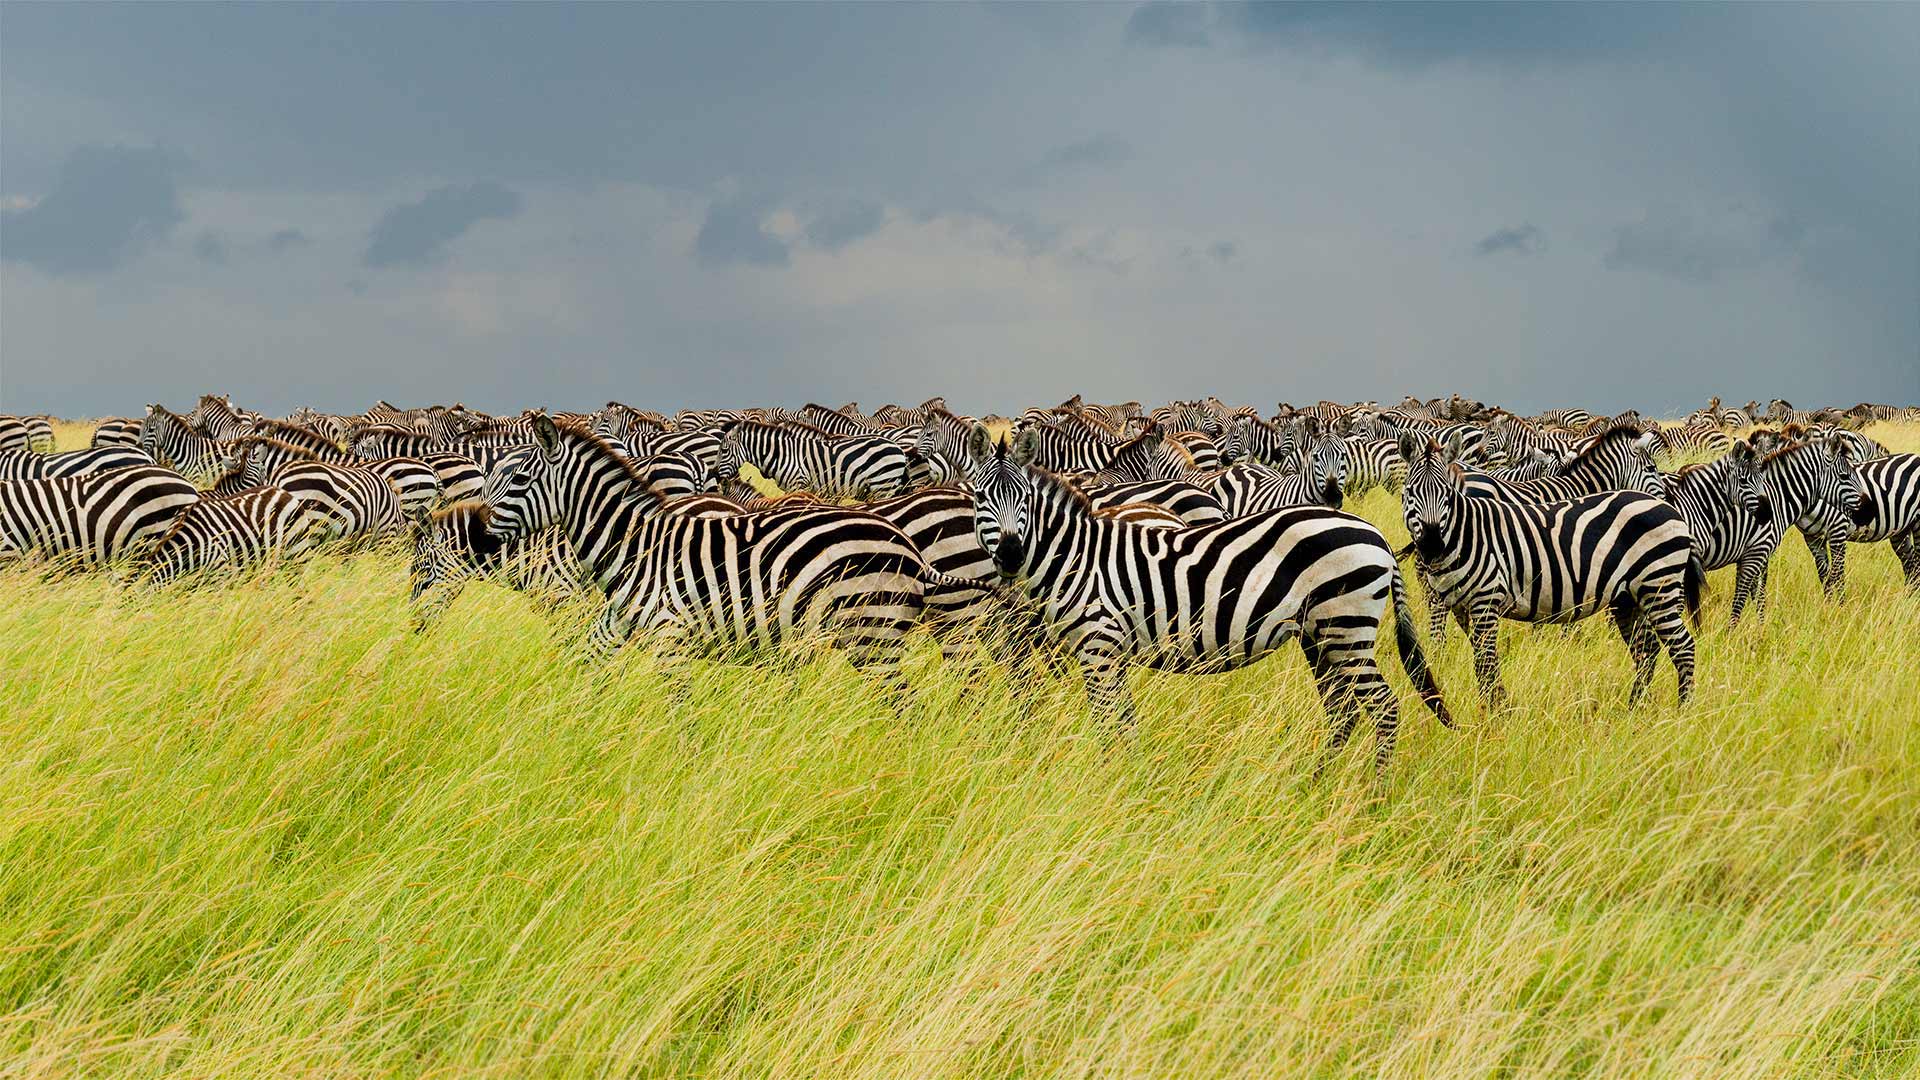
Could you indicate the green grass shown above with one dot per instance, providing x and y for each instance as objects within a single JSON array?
[{"x": 264, "y": 830}]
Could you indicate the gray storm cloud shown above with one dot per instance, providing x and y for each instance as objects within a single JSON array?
[{"x": 705, "y": 204}]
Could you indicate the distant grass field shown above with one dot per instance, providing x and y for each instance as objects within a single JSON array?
[{"x": 264, "y": 830}]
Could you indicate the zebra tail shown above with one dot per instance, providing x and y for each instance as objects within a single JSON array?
[
  {"x": 1692, "y": 585},
  {"x": 1413, "y": 656}
]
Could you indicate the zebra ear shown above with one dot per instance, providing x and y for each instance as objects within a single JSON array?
[
  {"x": 1026, "y": 447},
  {"x": 545, "y": 433},
  {"x": 1310, "y": 426},
  {"x": 1410, "y": 445},
  {"x": 979, "y": 442},
  {"x": 1451, "y": 443}
]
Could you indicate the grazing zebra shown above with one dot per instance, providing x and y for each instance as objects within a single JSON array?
[
  {"x": 97, "y": 517},
  {"x": 357, "y": 501},
  {"x": 115, "y": 431},
  {"x": 1147, "y": 456},
  {"x": 725, "y": 584},
  {"x": 1373, "y": 463},
  {"x": 28, "y": 465},
  {"x": 796, "y": 456},
  {"x": 455, "y": 544},
  {"x": 1700, "y": 438},
  {"x": 1199, "y": 599},
  {"x": 1889, "y": 509},
  {"x": 1490, "y": 559},
  {"x": 229, "y": 534},
  {"x": 264, "y": 460},
  {"x": 167, "y": 437}
]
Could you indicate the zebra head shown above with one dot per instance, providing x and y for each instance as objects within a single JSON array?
[
  {"x": 1434, "y": 487},
  {"x": 1840, "y": 481},
  {"x": 519, "y": 487},
  {"x": 1002, "y": 483},
  {"x": 1743, "y": 483},
  {"x": 1325, "y": 456}
]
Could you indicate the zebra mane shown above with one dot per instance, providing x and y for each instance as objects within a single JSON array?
[
  {"x": 598, "y": 447},
  {"x": 1048, "y": 481},
  {"x": 292, "y": 434},
  {"x": 1604, "y": 440},
  {"x": 246, "y": 443},
  {"x": 162, "y": 410}
]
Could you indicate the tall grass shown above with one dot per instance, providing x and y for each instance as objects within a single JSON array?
[{"x": 265, "y": 830}]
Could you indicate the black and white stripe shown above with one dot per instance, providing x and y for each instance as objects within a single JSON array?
[
  {"x": 803, "y": 457},
  {"x": 726, "y": 584},
  {"x": 96, "y": 518},
  {"x": 455, "y": 544},
  {"x": 1491, "y": 559},
  {"x": 226, "y": 535},
  {"x": 28, "y": 465},
  {"x": 1199, "y": 599}
]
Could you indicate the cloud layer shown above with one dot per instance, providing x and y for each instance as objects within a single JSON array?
[{"x": 1606, "y": 205}]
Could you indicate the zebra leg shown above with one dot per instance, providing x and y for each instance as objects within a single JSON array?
[
  {"x": 1749, "y": 583},
  {"x": 1666, "y": 613},
  {"x": 1371, "y": 690},
  {"x": 1484, "y": 632},
  {"x": 610, "y": 631},
  {"x": 1641, "y": 644},
  {"x": 1436, "y": 611},
  {"x": 1907, "y": 547},
  {"x": 1103, "y": 665}
]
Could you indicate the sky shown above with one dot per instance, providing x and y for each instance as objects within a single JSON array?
[{"x": 1603, "y": 206}]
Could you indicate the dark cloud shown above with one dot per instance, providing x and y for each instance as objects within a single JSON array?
[
  {"x": 1164, "y": 23},
  {"x": 418, "y": 232},
  {"x": 286, "y": 240},
  {"x": 1701, "y": 248},
  {"x": 1102, "y": 151},
  {"x": 1224, "y": 251},
  {"x": 208, "y": 247},
  {"x": 734, "y": 232},
  {"x": 1419, "y": 34},
  {"x": 845, "y": 224},
  {"x": 1526, "y": 239},
  {"x": 108, "y": 204}
]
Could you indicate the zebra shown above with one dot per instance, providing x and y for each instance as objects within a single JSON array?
[
  {"x": 796, "y": 456},
  {"x": 1690, "y": 439},
  {"x": 229, "y": 534},
  {"x": 167, "y": 437},
  {"x": 1074, "y": 444},
  {"x": 1889, "y": 509},
  {"x": 1619, "y": 459},
  {"x": 96, "y": 517},
  {"x": 14, "y": 434},
  {"x": 358, "y": 502},
  {"x": 33, "y": 433},
  {"x": 1731, "y": 521},
  {"x": 1490, "y": 559},
  {"x": 1147, "y": 456},
  {"x": 28, "y": 465},
  {"x": 1250, "y": 488},
  {"x": 1189, "y": 502},
  {"x": 1199, "y": 599},
  {"x": 1373, "y": 463},
  {"x": 217, "y": 417},
  {"x": 455, "y": 544},
  {"x": 263, "y": 460},
  {"x": 1203, "y": 416},
  {"x": 115, "y": 431},
  {"x": 727, "y": 584}
]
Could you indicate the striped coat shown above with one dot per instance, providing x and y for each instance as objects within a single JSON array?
[
  {"x": 96, "y": 518},
  {"x": 1199, "y": 599}
]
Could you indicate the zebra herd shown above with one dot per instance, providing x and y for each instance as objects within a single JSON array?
[{"x": 1193, "y": 537}]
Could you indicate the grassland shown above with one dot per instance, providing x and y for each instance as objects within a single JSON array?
[{"x": 264, "y": 830}]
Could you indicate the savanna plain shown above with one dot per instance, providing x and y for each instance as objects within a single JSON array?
[{"x": 265, "y": 829}]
